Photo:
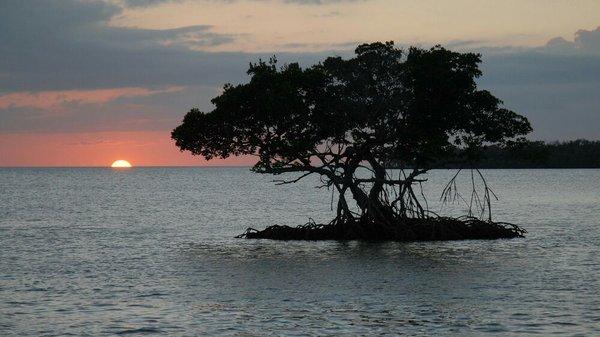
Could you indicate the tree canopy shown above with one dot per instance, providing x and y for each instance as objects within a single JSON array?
[{"x": 385, "y": 104}]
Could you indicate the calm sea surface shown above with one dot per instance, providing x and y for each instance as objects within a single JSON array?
[{"x": 151, "y": 251}]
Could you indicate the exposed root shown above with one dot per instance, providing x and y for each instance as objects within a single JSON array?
[{"x": 408, "y": 229}]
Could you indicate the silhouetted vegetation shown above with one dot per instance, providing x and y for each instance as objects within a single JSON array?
[
  {"x": 346, "y": 119},
  {"x": 532, "y": 154}
]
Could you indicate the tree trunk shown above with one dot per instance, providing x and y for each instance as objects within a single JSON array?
[{"x": 378, "y": 184}]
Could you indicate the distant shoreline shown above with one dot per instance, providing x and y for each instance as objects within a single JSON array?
[{"x": 576, "y": 154}]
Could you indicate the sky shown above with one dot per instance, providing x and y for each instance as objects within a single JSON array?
[{"x": 84, "y": 83}]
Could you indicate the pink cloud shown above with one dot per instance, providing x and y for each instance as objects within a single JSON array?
[{"x": 47, "y": 99}]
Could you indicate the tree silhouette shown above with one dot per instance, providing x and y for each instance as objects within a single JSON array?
[{"x": 343, "y": 116}]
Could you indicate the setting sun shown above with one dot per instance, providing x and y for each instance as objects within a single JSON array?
[{"x": 120, "y": 163}]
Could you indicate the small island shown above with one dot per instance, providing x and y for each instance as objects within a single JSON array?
[{"x": 347, "y": 120}]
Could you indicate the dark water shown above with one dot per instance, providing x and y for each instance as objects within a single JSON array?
[{"x": 150, "y": 251}]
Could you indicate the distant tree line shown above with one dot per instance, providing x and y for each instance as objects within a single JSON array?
[{"x": 579, "y": 153}]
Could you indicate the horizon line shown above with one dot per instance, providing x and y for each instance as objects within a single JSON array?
[
  {"x": 133, "y": 167},
  {"x": 250, "y": 166}
]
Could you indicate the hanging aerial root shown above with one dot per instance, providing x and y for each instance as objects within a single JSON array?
[{"x": 407, "y": 229}]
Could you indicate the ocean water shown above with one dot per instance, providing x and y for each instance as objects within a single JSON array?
[{"x": 151, "y": 251}]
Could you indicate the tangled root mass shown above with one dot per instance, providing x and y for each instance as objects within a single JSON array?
[{"x": 409, "y": 229}]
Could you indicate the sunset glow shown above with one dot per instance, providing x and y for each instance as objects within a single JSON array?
[
  {"x": 86, "y": 101},
  {"x": 120, "y": 164}
]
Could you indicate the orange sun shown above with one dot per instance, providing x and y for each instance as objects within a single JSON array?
[{"x": 120, "y": 163}]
